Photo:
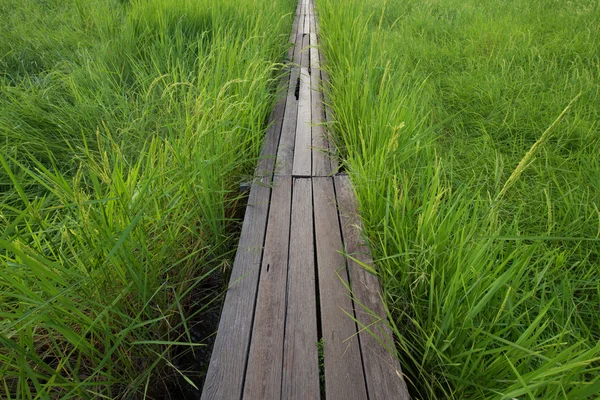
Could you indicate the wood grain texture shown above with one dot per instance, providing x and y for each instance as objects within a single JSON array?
[
  {"x": 344, "y": 378},
  {"x": 382, "y": 371},
  {"x": 302, "y": 165},
  {"x": 294, "y": 31},
  {"x": 300, "y": 28},
  {"x": 300, "y": 366},
  {"x": 266, "y": 162},
  {"x": 263, "y": 376},
  {"x": 306, "y": 13},
  {"x": 285, "y": 152},
  {"x": 225, "y": 374}
]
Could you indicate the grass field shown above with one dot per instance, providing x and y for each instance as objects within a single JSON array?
[
  {"x": 471, "y": 131},
  {"x": 125, "y": 128}
]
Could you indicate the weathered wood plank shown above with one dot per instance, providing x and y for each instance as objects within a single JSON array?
[
  {"x": 302, "y": 165},
  {"x": 272, "y": 137},
  {"x": 307, "y": 13},
  {"x": 344, "y": 378},
  {"x": 321, "y": 165},
  {"x": 225, "y": 374},
  {"x": 294, "y": 31},
  {"x": 299, "y": 35},
  {"x": 302, "y": 27},
  {"x": 263, "y": 376},
  {"x": 285, "y": 153},
  {"x": 383, "y": 373},
  {"x": 266, "y": 163},
  {"x": 300, "y": 366}
]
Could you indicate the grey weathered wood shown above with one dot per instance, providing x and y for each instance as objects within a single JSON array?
[
  {"x": 263, "y": 377},
  {"x": 299, "y": 34},
  {"x": 382, "y": 370},
  {"x": 294, "y": 31},
  {"x": 321, "y": 165},
  {"x": 301, "y": 24},
  {"x": 228, "y": 361},
  {"x": 344, "y": 378},
  {"x": 268, "y": 152},
  {"x": 300, "y": 366},
  {"x": 285, "y": 153},
  {"x": 302, "y": 165},
  {"x": 307, "y": 13}
]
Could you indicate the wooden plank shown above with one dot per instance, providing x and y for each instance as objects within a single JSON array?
[
  {"x": 321, "y": 165},
  {"x": 301, "y": 365},
  {"x": 285, "y": 153},
  {"x": 225, "y": 374},
  {"x": 266, "y": 163},
  {"x": 294, "y": 31},
  {"x": 301, "y": 24},
  {"x": 263, "y": 377},
  {"x": 272, "y": 136},
  {"x": 302, "y": 165},
  {"x": 299, "y": 34},
  {"x": 382, "y": 371},
  {"x": 344, "y": 378},
  {"x": 307, "y": 13}
]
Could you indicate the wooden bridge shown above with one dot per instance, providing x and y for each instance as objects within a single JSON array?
[{"x": 290, "y": 327}]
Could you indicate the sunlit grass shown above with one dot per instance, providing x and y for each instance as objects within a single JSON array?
[
  {"x": 471, "y": 132},
  {"x": 125, "y": 128}
]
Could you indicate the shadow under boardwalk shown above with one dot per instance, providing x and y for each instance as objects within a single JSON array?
[{"x": 302, "y": 318}]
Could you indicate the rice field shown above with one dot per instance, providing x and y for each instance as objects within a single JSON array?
[
  {"x": 471, "y": 132},
  {"x": 126, "y": 128}
]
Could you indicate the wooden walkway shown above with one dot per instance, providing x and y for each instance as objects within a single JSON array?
[{"x": 290, "y": 328}]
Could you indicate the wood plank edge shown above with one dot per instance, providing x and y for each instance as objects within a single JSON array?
[{"x": 244, "y": 280}]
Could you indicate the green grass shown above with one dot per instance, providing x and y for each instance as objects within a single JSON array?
[
  {"x": 125, "y": 127},
  {"x": 471, "y": 132}
]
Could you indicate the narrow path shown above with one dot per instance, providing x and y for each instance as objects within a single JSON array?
[{"x": 290, "y": 328}]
